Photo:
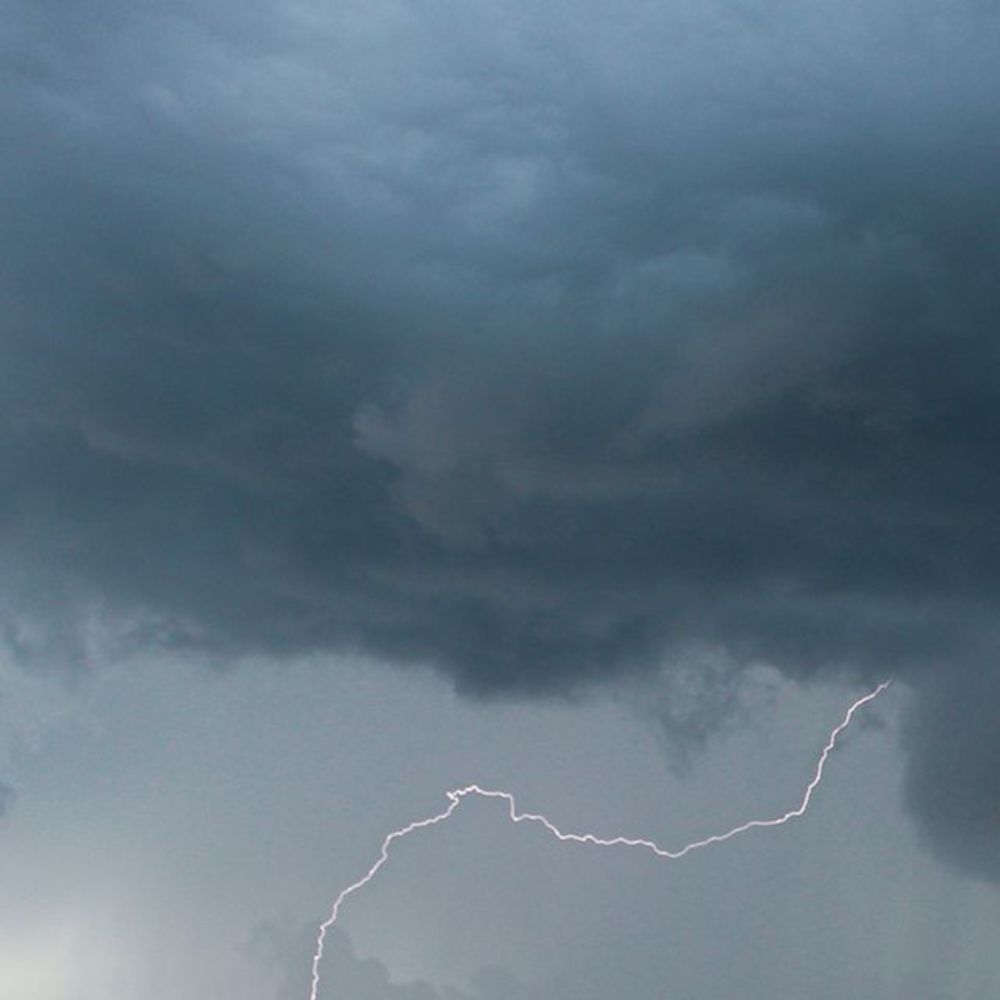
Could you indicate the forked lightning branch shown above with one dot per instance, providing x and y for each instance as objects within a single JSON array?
[{"x": 458, "y": 795}]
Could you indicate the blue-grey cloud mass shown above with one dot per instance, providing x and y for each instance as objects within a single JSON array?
[{"x": 529, "y": 345}]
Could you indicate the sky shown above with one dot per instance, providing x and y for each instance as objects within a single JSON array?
[{"x": 586, "y": 400}]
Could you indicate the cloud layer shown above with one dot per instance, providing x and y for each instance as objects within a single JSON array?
[{"x": 536, "y": 347}]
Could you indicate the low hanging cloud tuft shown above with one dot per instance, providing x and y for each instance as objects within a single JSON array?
[
  {"x": 7, "y": 797},
  {"x": 531, "y": 349}
]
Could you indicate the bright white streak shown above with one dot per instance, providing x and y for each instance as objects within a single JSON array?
[{"x": 456, "y": 795}]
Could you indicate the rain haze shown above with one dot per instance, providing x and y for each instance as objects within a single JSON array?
[{"x": 586, "y": 401}]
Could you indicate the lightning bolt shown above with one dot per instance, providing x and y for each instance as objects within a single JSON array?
[{"x": 457, "y": 795}]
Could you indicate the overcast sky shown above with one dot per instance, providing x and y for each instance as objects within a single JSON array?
[{"x": 587, "y": 400}]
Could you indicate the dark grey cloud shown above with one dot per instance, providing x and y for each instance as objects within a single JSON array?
[
  {"x": 532, "y": 347},
  {"x": 954, "y": 742}
]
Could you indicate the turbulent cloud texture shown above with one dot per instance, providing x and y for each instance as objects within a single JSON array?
[
  {"x": 532, "y": 345},
  {"x": 368, "y": 978}
]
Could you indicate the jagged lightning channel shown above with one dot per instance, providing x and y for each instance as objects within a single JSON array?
[{"x": 457, "y": 795}]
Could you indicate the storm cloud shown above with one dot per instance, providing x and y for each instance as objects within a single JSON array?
[{"x": 536, "y": 347}]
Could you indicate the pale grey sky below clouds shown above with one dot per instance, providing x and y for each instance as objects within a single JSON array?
[{"x": 180, "y": 835}]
